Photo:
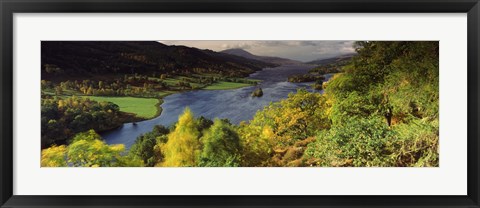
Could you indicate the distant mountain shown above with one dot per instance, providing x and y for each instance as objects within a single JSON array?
[
  {"x": 73, "y": 59},
  {"x": 331, "y": 60},
  {"x": 268, "y": 59}
]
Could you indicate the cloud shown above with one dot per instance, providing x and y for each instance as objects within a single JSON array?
[
  {"x": 237, "y": 45},
  {"x": 302, "y": 50},
  {"x": 334, "y": 48}
]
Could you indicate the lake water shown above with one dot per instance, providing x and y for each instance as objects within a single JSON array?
[{"x": 236, "y": 104}]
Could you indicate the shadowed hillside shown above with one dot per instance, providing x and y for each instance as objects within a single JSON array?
[
  {"x": 64, "y": 59},
  {"x": 268, "y": 59}
]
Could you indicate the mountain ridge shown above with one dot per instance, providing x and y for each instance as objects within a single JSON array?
[
  {"x": 325, "y": 61},
  {"x": 269, "y": 59},
  {"x": 71, "y": 59}
]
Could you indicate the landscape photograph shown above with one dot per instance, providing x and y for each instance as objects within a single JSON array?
[{"x": 239, "y": 103}]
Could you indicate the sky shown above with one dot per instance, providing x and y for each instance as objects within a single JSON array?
[{"x": 296, "y": 50}]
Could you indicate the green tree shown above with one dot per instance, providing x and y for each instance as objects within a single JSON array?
[
  {"x": 145, "y": 146},
  {"x": 221, "y": 146}
]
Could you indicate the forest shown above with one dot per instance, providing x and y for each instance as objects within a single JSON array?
[
  {"x": 98, "y": 60},
  {"x": 381, "y": 109}
]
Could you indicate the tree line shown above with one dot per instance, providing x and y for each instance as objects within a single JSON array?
[{"x": 136, "y": 85}]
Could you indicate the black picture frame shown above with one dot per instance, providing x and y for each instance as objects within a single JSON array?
[{"x": 9, "y": 7}]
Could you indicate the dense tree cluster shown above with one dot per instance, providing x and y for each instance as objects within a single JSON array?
[
  {"x": 61, "y": 118},
  {"x": 384, "y": 108},
  {"x": 281, "y": 127},
  {"x": 147, "y": 146},
  {"x": 136, "y": 85},
  {"x": 190, "y": 142}
]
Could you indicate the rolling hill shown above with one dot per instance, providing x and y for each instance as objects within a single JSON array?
[
  {"x": 332, "y": 60},
  {"x": 74, "y": 59},
  {"x": 274, "y": 60}
]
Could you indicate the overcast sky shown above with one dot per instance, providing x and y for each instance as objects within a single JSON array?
[{"x": 296, "y": 50}]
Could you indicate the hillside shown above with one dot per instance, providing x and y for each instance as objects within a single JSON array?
[
  {"x": 331, "y": 65},
  {"x": 67, "y": 59},
  {"x": 332, "y": 60},
  {"x": 268, "y": 59}
]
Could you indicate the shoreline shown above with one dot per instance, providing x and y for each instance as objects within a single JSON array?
[
  {"x": 131, "y": 117},
  {"x": 161, "y": 99},
  {"x": 158, "y": 107}
]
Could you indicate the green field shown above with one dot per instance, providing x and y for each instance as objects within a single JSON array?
[
  {"x": 226, "y": 86},
  {"x": 142, "y": 107}
]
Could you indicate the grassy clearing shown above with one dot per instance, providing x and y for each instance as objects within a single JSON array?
[
  {"x": 142, "y": 107},
  {"x": 226, "y": 86}
]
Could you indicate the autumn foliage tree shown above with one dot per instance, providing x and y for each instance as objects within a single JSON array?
[
  {"x": 54, "y": 156},
  {"x": 295, "y": 118},
  {"x": 183, "y": 146},
  {"x": 87, "y": 150},
  {"x": 256, "y": 143}
]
